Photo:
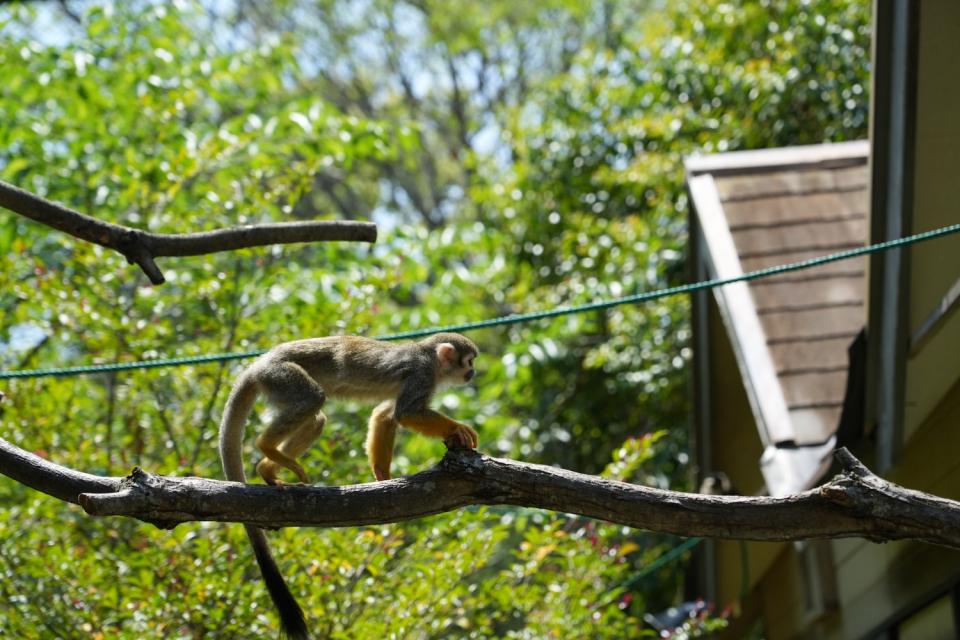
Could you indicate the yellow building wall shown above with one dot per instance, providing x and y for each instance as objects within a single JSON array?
[{"x": 934, "y": 265}]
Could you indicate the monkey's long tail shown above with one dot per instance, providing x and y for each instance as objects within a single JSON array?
[
  {"x": 235, "y": 415},
  {"x": 291, "y": 615}
]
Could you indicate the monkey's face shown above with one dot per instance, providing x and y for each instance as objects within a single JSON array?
[{"x": 456, "y": 366}]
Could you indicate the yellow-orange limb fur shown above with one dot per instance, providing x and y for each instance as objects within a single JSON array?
[
  {"x": 433, "y": 423},
  {"x": 381, "y": 432}
]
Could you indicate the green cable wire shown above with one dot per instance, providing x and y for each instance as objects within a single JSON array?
[
  {"x": 686, "y": 288},
  {"x": 514, "y": 318}
]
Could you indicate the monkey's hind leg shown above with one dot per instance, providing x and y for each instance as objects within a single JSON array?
[
  {"x": 297, "y": 400},
  {"x": 294, "y": 446}
]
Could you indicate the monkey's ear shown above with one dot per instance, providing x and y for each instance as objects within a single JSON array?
[{"x": 446, "y": 353}]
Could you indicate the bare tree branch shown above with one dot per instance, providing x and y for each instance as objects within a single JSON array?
[
  {"x": 853, "y": 503},
  {"x": 141, "y": 247},
  {"x": 52, "y": 479}
]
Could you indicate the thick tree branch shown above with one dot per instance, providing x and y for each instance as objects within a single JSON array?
[
  {"x": 854, "y": 503},
  {"x": 141, "y": 247}
]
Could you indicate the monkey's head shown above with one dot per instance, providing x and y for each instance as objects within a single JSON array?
[{"x": 455, "y": 357}]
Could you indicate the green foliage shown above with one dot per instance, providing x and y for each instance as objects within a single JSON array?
[{"x": 555, "y": 180}]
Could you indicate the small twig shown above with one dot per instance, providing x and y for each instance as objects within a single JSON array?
[
  {"x": 33, "y": 351},
  {"x": 70, "y": 13},
  {"x": 850, "y": 464},
  {"x": 141, "y": 247},
  {"x": 165, "y": 421},
  {"x": 214, "y": 398}
]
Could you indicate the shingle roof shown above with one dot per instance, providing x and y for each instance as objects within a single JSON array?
[
  {"x": 808, "y": 317},
  {"x": 765, "y": 208}
]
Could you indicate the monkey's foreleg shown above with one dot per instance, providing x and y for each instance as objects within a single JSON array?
[
  {"x": 435, "y": 424},
  {"x": 381, "y": 432}
]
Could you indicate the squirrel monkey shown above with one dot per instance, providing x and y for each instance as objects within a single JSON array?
[{"x": 296, "y": 378}]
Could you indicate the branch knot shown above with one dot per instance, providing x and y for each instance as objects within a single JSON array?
[{"x": 463, "y": 461}]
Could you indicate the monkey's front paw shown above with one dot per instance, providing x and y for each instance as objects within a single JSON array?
[{"x": 464, "y": 437}]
